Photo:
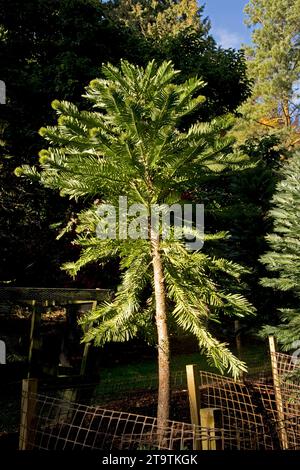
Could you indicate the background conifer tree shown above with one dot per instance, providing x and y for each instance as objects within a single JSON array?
[
  {"x": 274, "y": 67},
  {"x": 283, "y": 259}
]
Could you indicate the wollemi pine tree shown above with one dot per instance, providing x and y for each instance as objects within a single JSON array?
[{"x": 132, "y": 145}]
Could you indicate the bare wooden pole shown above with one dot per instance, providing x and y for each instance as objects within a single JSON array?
[
  {"x": 35, "y": 340},
  {"x": 28, "y": 405},
  {"x": 84, "y": 358},
  {"x": 193, "y": 383},
  {"x": 278, "y": 397},
  {"x": 86, "y": 347},
  {"x": 238, "y": 339},
  {"x": 2, "y": 352},
  {"x": 211, "y": 420}
]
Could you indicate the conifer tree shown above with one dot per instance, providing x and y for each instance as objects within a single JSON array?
[
  {"x": 284, "y": 258},
  {"x": 132, "y": 144},
  {"x": 158, "y": 19},
  {"x": 274, "y": 67}
]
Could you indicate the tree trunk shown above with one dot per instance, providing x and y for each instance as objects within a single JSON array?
[
  {"x": 238, "y": 339},
  {"x": 162, "y": 334},
  {"x": 286, "y": 112}
]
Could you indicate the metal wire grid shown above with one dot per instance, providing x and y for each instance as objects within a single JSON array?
[
  {"x": 248, "y": 409},
  {"x": 289, "y": 383},
  {"x": 58, "y": 425},
  {"x": 138, "y": 395},
  {"x": 243, "y": 410},
  {"x": 288, "y": 366}
]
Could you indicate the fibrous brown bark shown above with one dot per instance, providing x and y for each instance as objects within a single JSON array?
[{"x": 162, "y": 334}]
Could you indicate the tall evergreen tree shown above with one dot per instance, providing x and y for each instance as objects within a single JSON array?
[
  {"x": 284, "y": 258},
  {"x": 48, "y": 48},
  {"x": 274, "y": 67},
  {"x": 158, "y": 19},
  {"x": 133, "y": 145}
]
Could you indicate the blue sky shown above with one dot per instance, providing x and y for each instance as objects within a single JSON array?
[{"x": 227, "y": 20}]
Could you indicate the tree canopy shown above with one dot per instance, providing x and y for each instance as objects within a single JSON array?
[
  {"x": 274, "y": 66},
  {"x": 157, "y": 19},
  {"x": 283, "y": 259}
]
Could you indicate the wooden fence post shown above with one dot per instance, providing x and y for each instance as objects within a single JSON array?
[
  {"x": 35, "y": 341},
  {"x": 2, "y": 352},
  {"x": 278, "y": 397},
  {"x": 193, "y": 383},
  {"x": 86, "y": 347},
  {"x": 28, "y": 405},
  {"x": 238, "y": 339},
  {"x": 211, "y": 419}
]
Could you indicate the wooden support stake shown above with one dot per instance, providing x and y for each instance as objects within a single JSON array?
[
  {"x": 84, "y": 358},
  {"x": 35, "y": 341},
  {"x": 193, "y": 382},
  {"x": 238, "y": 339},
  {"x": 278, "y": 397},
  {"x": 86, "y": 348},
  {"x": 2, "y": 352},
  {"x": 28, "y": 405},
  {"x": 211, "y": 419}
]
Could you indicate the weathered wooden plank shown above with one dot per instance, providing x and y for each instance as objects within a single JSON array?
[
  {"x": 34, "y": 356},
  {"x": 28, "y": 405},
  {"x": 86, "y": 348},
  {"x": 41, "y": 294},
  {"x": 278, "y": 397},
  {"x": 193, "y": 382},
  {"x": 211, "y": 421}
]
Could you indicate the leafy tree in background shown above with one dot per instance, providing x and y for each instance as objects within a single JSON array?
[
  {"x": 133, "y": 145},
  {"x": 177, "y": 31},
  {"x": 224, "y": 71},
  {"x": 274, "y": 67},
  {"x": 159, "y": 20},
  {"x": 48, "y": 48},
  {"x": 283, "y": 259}
]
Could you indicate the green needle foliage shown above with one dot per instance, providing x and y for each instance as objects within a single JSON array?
[
  {"x": 284, "y": 257},
  {"x": 133, "y": 144},
  {"x": 274, "y": 67},
  {"x": 159, "y": 20}
]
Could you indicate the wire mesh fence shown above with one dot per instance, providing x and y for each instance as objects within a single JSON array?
[
  {"x": 137, "y": 395},
  {"x": 64, "y": 425},
  {"x": 251, "y": 407},
  {"x": 243, "y": 410},
  {"x": 289, "y": 382},
  {"x": 120, "y": 415}
]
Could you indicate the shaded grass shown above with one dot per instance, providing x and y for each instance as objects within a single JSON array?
[{"x": 255, "y": 356}]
